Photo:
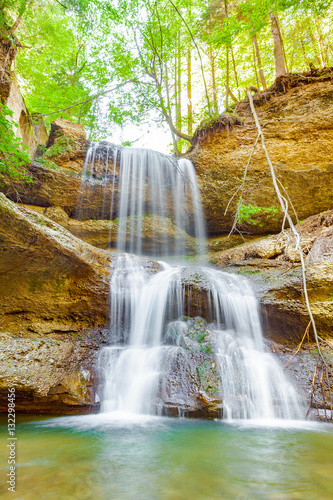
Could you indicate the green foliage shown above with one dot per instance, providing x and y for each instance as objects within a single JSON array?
[
  {"x": 62, "y": 145},
  {"x": 47, "y": 163},
  {"x": 76, "y": 49},
  {"x": 246, "y": 212},
  {"x": 39, "y": 220},
  {"x": 13, "y": 153},
  {"x": 54, "y": 71}
]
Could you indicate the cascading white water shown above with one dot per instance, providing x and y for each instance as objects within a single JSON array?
[
  {"x": 253, "y": 383},
  {"x": 151, "y": 195},
  {"x": 144, "y": 299},
  {"x": 134, "y": 371}
]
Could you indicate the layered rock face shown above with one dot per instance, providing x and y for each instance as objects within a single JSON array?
[
  {"x": 274, "y": 266},
  {"x": 49, "y": 280},
  {"x": 54, "y": 290},
  {"x": 49, "y": 375},
  {"x": 298, "y": 128},
  {"x": 55, "y": 287},
  {"x": 297, "y": 120}
]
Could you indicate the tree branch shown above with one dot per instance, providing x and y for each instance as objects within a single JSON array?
[
  {"x": 19, "y": 18},
  {"x": 81, "y": 103}
]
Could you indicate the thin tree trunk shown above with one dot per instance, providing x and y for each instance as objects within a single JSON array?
[
  {"x": 16, "y": 24},
  {"x": 189, "y": 94},
  {"x": 282, "y": 44},
  {"x": 280, "y": 68},
  {"x": 261, "y": 72},
  {"x": 233, "y": 97},
  {"x": 167, "y": 87},
  {"x": 320, "y": 45},
  {"x": 235, "y": 71},
  {"x": 178, "y": 84},
  {"x": 315, "y": 47},
  {"x": 306, "y": 61},
  {"x": 293, "y": 51},
  {"x": 212, "y": 66},
  {"x": 255, "y": 67},
  {"x": 176, "y": 89},
  {"x": 227, "y": 83}
]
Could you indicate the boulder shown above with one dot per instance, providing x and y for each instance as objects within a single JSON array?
[
  {"x": 48, "y": 375},
  {"x": 50, "y": 280},
  {"x": 66, "y": 145}
]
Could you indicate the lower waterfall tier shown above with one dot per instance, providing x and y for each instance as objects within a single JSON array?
[{"x": 154, "y": 364}]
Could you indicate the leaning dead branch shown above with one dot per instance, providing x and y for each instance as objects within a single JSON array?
[
  {"x": 299, "y": 345},
  {"x": 287, "y": 218}
]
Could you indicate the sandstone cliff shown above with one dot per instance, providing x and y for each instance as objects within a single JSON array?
[{"x": 296, "y": 116}]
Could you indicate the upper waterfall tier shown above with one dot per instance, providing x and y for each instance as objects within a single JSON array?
[{"x": 150, "y": 196}]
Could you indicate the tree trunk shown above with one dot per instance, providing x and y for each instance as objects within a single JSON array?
[
  {"x": 233, "y": 97},
  {"x": 280, "y": 68},
  {"x": 261, "y": 72},
  {"x": 178, "y": 83},
  {"x": 282, "y": 44},
  {"x": 8, "y": 50},
  {"x": 255, "y": 67},
  {"x": 227, "y": 83},
  {"x": 189, "y": 94},
  {"x": 212, "y": 66},
  {"x": 235, "y": 71}
]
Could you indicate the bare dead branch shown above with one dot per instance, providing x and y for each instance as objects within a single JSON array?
[{"x": 287, "y": 217}]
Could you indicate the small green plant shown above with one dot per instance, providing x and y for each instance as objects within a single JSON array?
[
  {"x": 246, "y": 212},
  {"x": 39, "y": 220},
  {"x": 63, "y": 145},
  {"x": 47, "y": 163},
  {"x": 13, "y": 153}
]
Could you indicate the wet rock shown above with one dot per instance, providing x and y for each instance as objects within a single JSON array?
[
  {"x": 57, "y": 187},
  {"x": 272, "y": 264},
  {"x": 49, "y": 376},
  {"x": 157, "y": 234},
  {"x": 191, "y": 385},
  {"x": 50, "y": 280},
  {"x": 300, "y": 368}
]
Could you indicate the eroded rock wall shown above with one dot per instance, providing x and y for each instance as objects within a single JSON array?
[{"x": 298, "y": 128}]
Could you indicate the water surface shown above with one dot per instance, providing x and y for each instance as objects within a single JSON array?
[{"x": 120, "y": 457}]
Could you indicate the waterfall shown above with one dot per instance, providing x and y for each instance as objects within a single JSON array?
[{"x": 152, "y": 197}]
